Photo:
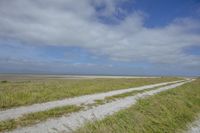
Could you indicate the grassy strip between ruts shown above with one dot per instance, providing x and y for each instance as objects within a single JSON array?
[
  {"x": 34, "y": 118},
  {"x": 166, "y": 112},
  {"x": 18, "y": 93},
  {"x": 123, "y": 95},
  {"x": 132, "y": 93}
]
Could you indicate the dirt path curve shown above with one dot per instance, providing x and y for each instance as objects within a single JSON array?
[
  {"x": 85, "y": 99},
  {"x": 75, "y": 120}
]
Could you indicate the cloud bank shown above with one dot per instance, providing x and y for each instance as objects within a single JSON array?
[{"x": 79, "y": 24}]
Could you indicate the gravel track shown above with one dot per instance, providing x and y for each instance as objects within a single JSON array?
[
  {"x": 85, "y": 99},
  {"x": 194, "y": 127},
  {"x": 77, "y": 119}
]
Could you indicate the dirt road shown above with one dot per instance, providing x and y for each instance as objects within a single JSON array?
[
  {"x": 86, "y": 99},
  {"x": 75, "y": 120}
]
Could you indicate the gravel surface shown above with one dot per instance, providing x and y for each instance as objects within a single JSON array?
[
  {"x": 76, "y": 120},
  {"x": 86, "y": 99},
  {"x": 194, "y": 127}
]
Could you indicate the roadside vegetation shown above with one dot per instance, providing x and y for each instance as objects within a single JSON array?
[
  {"x": 34, "y": 118},
  {"x": 169, "y": 112},
  {"x": 18, "y": 93}
]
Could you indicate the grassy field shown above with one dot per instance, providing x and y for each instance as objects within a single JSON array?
[
  {"x": 166, "y": 112},
  {"x": 37, "y": 117},
  {"x": 25, "y": 92}
]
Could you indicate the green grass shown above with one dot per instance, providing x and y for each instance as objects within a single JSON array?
[
  {"x": 37, "y": 117},
  {"x": 18, "y": 93},
  {"x": 167, "y": 112}
]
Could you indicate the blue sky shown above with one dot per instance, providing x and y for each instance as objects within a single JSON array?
[{"x": 113, "y": 37}]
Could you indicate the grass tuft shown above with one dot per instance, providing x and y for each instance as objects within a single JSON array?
[{"x": 4, "y": 81}]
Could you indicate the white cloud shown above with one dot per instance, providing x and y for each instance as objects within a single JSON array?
[{"x": 75, "y": 23}]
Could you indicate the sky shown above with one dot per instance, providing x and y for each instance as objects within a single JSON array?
[{"x": 108, "y": 37}]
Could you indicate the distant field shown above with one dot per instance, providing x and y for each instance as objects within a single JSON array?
[
  {"x": 167, "y": 112},
  {"x": 15, "y": 77},
  {"x": 18, "y": 92}
]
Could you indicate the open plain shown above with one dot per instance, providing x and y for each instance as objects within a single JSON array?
[{"x": 49, "y": 103}]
